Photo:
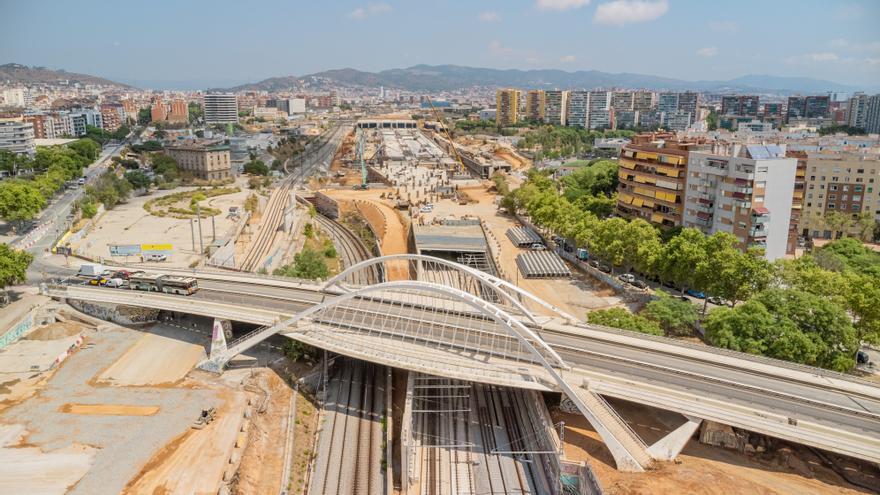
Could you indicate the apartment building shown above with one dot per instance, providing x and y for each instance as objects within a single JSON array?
[
  {"x": 652, "y": 172},
  {"x": 578, "y": 109},
  {"x": 535, "y": 105},
  {"x": 220, "y": 108},
  {"x": 507, "y": 106},
  {"x": 746, "y": 106},
  {"x": 622, "y": 100},
  {"x": 857, "y": 110},
  {"x": 745, "y": 190},
  {"x": 179, "y": 111},
  {"x": 555, "y": 107},
  {"x": 808, "y": 107},
  {"x": 599, "y": 114},
  {"x": 643, "y": 101},
  {"x": 112, "y": 116},
  {"x": 797, "y": 198},
  {"x": 159, "y": 111},
  {"x": 689, "y": 102},
  {"x": 207, "y": 161},
  {"x": 872, "y": 115},
  {"x": 845, "y": 182},
  {"x": 17, "y": 136}
]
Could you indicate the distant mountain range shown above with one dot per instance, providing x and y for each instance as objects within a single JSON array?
[
  {"x": 22, "y": 74},
  {"x": 452, "y": 77}
]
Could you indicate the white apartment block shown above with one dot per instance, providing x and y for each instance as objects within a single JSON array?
[
  {"x": 17, "y": 136},
  {"x": 745, "y": 190}
]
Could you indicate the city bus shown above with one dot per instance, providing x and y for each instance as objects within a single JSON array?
[{"x": 169, "y": 284}]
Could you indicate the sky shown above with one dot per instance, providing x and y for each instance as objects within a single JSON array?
[{"x": 195, "y": 44}]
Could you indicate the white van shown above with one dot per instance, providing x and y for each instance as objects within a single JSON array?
[{"x": 155, "y": 257}]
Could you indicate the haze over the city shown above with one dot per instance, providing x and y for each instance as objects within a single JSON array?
[{"x": 189, "y": 45}]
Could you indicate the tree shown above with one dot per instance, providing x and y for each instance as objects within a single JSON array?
[
  {"x": 862, "y": 296},
  {"x": 679, "y": 258},
  {"x": 787, "y": 324},
  {"x": 13, "y": 265},
  {"x": 251, "y": 203},
  {"x": 144, "y": 116},
  {"x": 89, "y": 210},
  {"x": 675, "y": 316},
  {"x": 621, "y": 318},
  {"x": 195, "y": 112},
  {"x": 165, "y": 166},
  {"x": 256, "y": 167},
  {"x": 137, "y": 179},
  {"x": 13, "y": 162},
  {"x": 109, "y": 190},
  {"x": 86, "y": 148},
  {"x": 308, "y": 264},
  {"x": 838, "y": 223},
  {"x": 20, "y": 201},
  {"x": 712, "y": 120}
]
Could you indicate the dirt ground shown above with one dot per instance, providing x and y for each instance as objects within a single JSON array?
[
  {"x": 153, "y": 360},
  {"x": 699, "y": 469},
  {"x": 575, "y": 296},
  {"x": 517, "y": 161},
  {"x": 396, "y": 230},
  {"x": 109, "y": 409},
  {"x": 263, "y": 458},
  {"x": 49, "y": 472},
  {"x": 171, "y": 470},
  {"x": 129, "y": 223}
]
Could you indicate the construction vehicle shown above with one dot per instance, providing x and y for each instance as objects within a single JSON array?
[
  {"x": 442, "y": 121},
  {"x": 361, "y": 144},
  {"x": 205, "y": 418}
]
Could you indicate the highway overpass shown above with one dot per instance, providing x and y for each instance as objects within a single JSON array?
[{"x": 438, "y": 330}]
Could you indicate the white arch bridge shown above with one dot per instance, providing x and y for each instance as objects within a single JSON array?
[{"x": 436, "y": 325}]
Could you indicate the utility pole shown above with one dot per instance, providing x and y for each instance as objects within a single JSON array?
[
  {"x": 201, "y": 242},
  {"x": 192, "y": 231},
  {"x": 213, "y": 230}
]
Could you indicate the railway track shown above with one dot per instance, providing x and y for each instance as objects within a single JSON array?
[
  {"x": 351, "y": 250},
  {"x": 272, "y": 218},
  {"x": 349, "y": 452}
]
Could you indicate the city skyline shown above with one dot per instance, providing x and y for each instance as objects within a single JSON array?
[{"x": 192, "y": 46}]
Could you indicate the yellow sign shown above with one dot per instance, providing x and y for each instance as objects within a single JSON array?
[{"x": 156, "y": 247}]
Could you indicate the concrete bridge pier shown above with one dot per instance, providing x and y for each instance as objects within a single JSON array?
[{"x": 668, "y": 447}]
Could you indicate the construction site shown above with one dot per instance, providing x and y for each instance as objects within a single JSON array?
[{"x": 127, "y": 410}]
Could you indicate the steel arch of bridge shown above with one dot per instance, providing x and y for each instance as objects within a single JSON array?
[
  {"x": 524, "y": 335},
  {"x": 497, "y": 283}
]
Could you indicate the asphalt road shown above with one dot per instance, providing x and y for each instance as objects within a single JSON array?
[{"x": 739, "y": 385}]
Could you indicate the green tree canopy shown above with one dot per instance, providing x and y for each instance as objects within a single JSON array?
[
  {"x": 675, "y": 316},
  {"x": 20, "y": 201},
  {"x": 13, "y": 265},
  {"x": 256, "y": 167},
  {"x": 308, "y": 264},
  {"x": 137, "y": 179},
  {"x": 621, "y": 318}
]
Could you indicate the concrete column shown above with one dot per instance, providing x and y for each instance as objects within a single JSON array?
[
  {"x": 668, "y": 447},
  {"x": 218, "y": 337}
]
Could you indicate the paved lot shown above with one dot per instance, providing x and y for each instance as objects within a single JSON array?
[{"x": 117, "y": 445}]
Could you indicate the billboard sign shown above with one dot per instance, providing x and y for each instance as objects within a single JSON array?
[
  {"x": 156, "y": 248},
  {"x": 125, "y": 249}
]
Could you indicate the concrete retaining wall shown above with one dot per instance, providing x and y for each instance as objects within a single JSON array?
[{"x": 123, "y": 315}]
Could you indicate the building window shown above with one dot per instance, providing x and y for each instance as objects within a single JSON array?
[
  {"x": 860, "y": 171},
  {"x": 832, "y": 196},
  {"x": 809, "y": 205},
  {"x": 832, "y": 188},
  {"x": 846, "y": 188},
  {"x": 830, "y": 206},
  {"x": 854, "y": 207},
  {"x": 813, "y": 177},
  {"x": 810, "y": 195}
]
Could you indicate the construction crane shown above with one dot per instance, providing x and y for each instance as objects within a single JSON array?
[
  {"x": 442, "y": 121},
  {"x": 361, "y": 144}
]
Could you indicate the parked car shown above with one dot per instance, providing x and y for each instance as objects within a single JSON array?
[
  {"x": 116, "y": 282},
  {"x": 593, "y": 263},
  {"x": 604, "y": 268},
  {"x": 626, "y": 277},
  {"x": 124, "y": 274},
  {"x": 695, "y": 293},
  {"x": 425, "y": 209},
  {"x": 155, "y": 257},
  {"x": 639, "y": 284},
  {"x": 862, "y": 357},
  {"x": 100, "y": 280},
  {"x": 538, "y": 246},
  {"x": 720, "y": 301}
]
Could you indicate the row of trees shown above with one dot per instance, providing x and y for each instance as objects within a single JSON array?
[
  {"x": 22, "y": 199},
  {"x": 814, "y": 310},
  {"x": 551, "y": 141}
]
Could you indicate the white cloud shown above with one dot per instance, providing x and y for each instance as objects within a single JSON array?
[
  {"x": 812, "y": 58},
  {"x": 709, "y": 51},
  {"x": 489, "y": 17},
  {"x": 567, "y": 59},
  {"x": 724, "y": 26},
  {"x": 561, "y": 4},
  {"x": 499, "y": 50},
  {"x": 620, "y": 12},
  {"x": 872, "y": 61},
  {"x": 371, "y": 9},
  {"x": 856, "y": 46}
]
